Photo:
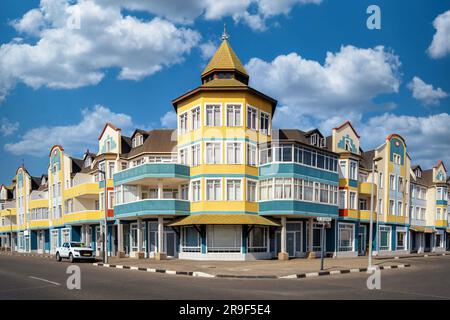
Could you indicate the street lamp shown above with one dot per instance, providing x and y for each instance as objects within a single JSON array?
[
  {"x": 371, "y": 213},
  {"x": 10, "y": 233},
  {"x": 105, "y": 222}
]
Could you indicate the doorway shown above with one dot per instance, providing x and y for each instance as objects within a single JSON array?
[{"x": 362, "y": 241}]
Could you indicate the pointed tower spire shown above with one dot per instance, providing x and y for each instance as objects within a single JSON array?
[
  {"x": 225, "y": 35},
  {"x": 225, "y": 64}
]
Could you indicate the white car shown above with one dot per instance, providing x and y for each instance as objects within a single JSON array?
[{"x": 74, "y": 251}]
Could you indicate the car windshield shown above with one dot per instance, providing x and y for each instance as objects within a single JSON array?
[{"x": 78, "y": 245}]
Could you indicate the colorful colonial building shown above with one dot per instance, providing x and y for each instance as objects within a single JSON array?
[{"x": 225, "y": 185}]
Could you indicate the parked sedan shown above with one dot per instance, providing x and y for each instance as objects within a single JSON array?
[{"x": 74, "y": 251}]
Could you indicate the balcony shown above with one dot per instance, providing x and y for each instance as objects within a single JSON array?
[
  {"x": 418, "y": 222},
  {"x": 152, "y": 207},
  {"x": 89, "y": 190},
  {"x": 79, "y": 217},
  {"x": 441, "y": 223},
  {"x": 365, "y": 215},
  {"x": 366, "y": 187},
  {"x": 296, "y": 207},
  {"x": 149, "y": 172}
]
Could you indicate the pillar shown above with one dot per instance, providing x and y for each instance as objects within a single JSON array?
[
  {"x": 311, "y": 253},
  {"x": 139, "y": 253},
  {"x": 160, "y": 255},
  {"x": 283, "y": 255},
  {"x": 160, "y": 190},
  {"x": 120, "y": 251}
]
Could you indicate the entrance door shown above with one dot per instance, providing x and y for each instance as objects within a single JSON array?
[
  {"x": 170, "y": 243},
  {"x": 427, "y": 242},
  {"x": 317, "y": 239},
  {"x": 290, "y": 243},
  {"x": 362, "y": 241}
]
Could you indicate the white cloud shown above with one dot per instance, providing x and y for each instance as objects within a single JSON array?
[
  {"x": 75, "y": 138},
  {"x": 189, "y": 10},
  {"x": 346, "y": 83},
  {"x": 7, "y": 128},
  {"x": 427, "y": 137},
  {"x": 169, "y": 120},
  {"x": 208, "y": 49},
  {"x": 65, "y": 56},
  {"x": 440, "y": 46},
  {"x": 425, "y": 92}
]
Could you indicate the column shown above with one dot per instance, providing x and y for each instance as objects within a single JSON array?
[
  {"x": 120, "y": 253},
  {"x": 160, "y": 190},
  {"x": 283, "y": 255},
  {"x": 139, "y": 253},
  {"x": 160, "y": 255},
  {"x": 311, "y": 253}
]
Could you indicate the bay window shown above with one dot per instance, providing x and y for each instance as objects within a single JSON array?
[
  {"x": 233, "y": 115},
  {"x": 213, "y": 115}
]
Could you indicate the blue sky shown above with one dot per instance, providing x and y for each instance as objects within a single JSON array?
[{"x": 59, "y": 84}]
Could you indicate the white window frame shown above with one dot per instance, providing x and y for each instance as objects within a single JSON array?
[
  {"x": 192, "y": 153},
  {"x": 220, "y": 189},
  {"x": 183, "y": 129},
  {"x": 346, "y": 226},
  {"x": 253, "y": 126},
  {"x": 241, "y": 152},
  {"x": 267, "y": 130},
  {"x": 241, "y": 187},
  {"x": 220, "y": 114},
  {"x": 250, "y": 145},
  {"x": 247, "y": 190},
  {"x": 197, "y": 124},
  {"x": 191, "y": 190},
  {"x": 234, "y": 105},
  {"x": 213, "y": 160}
]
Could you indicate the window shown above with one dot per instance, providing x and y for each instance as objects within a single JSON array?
[
  {"x": 213, "y": 153},
  {"x": 381, "y": 180},
  {"x": 234, "y": 153},
  {"x": 257, "y": 239},
  {"x": 353, "y": 170},
  {"x": 101, "y": 167},
  {"x": 233, "y": 115},
  {"x": 346, "y": 236},
  {"x": 190, "y": 240},
  {"x": 283, "y": 188},
  {"x": 195, "y": 116},
  {"x": 264, "y": 123},
  {"x": 196, "y": 190},
  {"x": 440, "y": 193},
  {"x": 343, "y": 169},
  {"x": 315, "y": 139},
  {"x": 137, "y": 140},
  {"x": 251, "y": 190},
  {"x": 111, "y": 169},
  {"x": 438, "y": 213},
  {"x": 234, "y": 190},
  {"x": 124, "y": 165},
  {"x": 352, "y": 200},
  {"x": 184, "y": 156},
  {"x": 68, "y": 206},
  {"x": 400, "y": 184},
  {"x": 391, "y": 207},
  {"x": 213, "y": 115},
  {"x": 298, "y": 189},
  {"x": 252, "y": 117},
  {"x": 400, "y": 208},
  {"x": 251, "y": 154},
  {"x": 87, "y": 162},
  {"x": 308, "y": 188},
  {"x": 401, "y": 240},
  {"x": 265, "y": 189},
  {"x": 195, "y": 155},
  {"x": 397, "y": 158},
  {"x": 108, "y": 145},
  {"x": 363, "y": 204},
  {"x": 385, "y": 238},
  {"x": 324, "y": 193},
  {"x": 380, "y": 206},
  {"x": 183, "y": 125},
  {"x": 223, "y": 238},
  {"x": 213, "y": 190},
  {"x": 422, "y": 213},
  {"x": 392, "y": 182},
  {"x": 283, "y": 153}
]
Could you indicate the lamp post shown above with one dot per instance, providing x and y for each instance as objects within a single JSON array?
[
  {"x": 371, "y": 214},
  {"x": 105, "y": 222},
  {"x": 10, "y": 231}
]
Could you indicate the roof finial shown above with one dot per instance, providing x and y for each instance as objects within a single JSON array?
[{"x": 225, "y": 35}]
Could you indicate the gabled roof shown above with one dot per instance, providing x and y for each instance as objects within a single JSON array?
[
  {"x": 367, "y": 159},
  {"x": 296, "y": 135},
  {"x": 224, "y": 59},
  {"x": 108, "y": 124},
  {"x": 439, "y": 163},
  {"x": 158, "y": 141},
  {"x": 350, "y": 124}
]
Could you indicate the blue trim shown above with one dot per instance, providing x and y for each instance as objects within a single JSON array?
[
  {"x": 441, "y": 202},
  {"x": 203, "y": 238},
  {"x": 152, "y": 170},
  {"x": 400, "y": 150},
  {"x": 353, "y": 183},
  {"x": 151, "y": 206},
  {"x": 244, "y": 238},
  {"x": 297, "y": 207}
]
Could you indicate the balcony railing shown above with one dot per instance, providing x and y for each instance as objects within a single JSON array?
[
  {"x": 152, "y": 170},
  {"x": 152, "y": 207}
]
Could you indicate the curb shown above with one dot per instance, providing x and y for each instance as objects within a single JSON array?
[
  {"x": 207, "y": 275},
  {"x": 426, "y": 255},
  {"x": 181, "y": 273},
  {"x": 344, "y": 271},
  {"x": 28, "y": 255}
]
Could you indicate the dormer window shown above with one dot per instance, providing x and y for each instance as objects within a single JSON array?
[
  {"x": 87, "y": 162},
  {"x": 347, "y": 145},
  {"x": 137, "y": 140},
  {"x": 315, "y": 139},
  {"x": 108, "y": 146},
  {"x": 418, "y": 173},
  {"x": 323, "y": 143}
]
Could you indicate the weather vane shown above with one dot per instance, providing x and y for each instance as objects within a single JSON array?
[{"x": 225, "y": 35}]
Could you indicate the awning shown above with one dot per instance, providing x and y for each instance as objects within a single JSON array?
[
  {"x": 231, "y": 219},
  {"x": 417, "y": 229},
  {"x": 447, "y": 230},
  {"x": 429, "y": 230}
]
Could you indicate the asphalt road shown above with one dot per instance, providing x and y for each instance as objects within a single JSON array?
[{"x": 38, "y": 278}]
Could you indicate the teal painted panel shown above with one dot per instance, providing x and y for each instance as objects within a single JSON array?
[
  {"x": 283, "y": 169},
  {"x": 341, "y": 143},
  {"x": 297, "y": 207},
  {"x": 149, "y": 170},
  {"x": 441, "y": 202},
  {"x": 152, "y": 206},
  {"x": 353, "y": 183},
  {"x": 397, "y": 147}
]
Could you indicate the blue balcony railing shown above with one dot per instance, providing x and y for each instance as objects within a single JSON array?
[
  {"x": 152, "y": 170},
  {"x": 152, "y": 207}
]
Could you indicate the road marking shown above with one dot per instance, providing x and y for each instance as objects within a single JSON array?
[{"x": 45, "y": 280}]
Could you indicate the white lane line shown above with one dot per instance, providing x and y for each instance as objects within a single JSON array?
[{"x": 45, "y": 280}]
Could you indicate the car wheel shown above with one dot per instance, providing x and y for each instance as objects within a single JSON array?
[
  {"x": 71, "y": 259},
  {"x": 58, "y": 257}
]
